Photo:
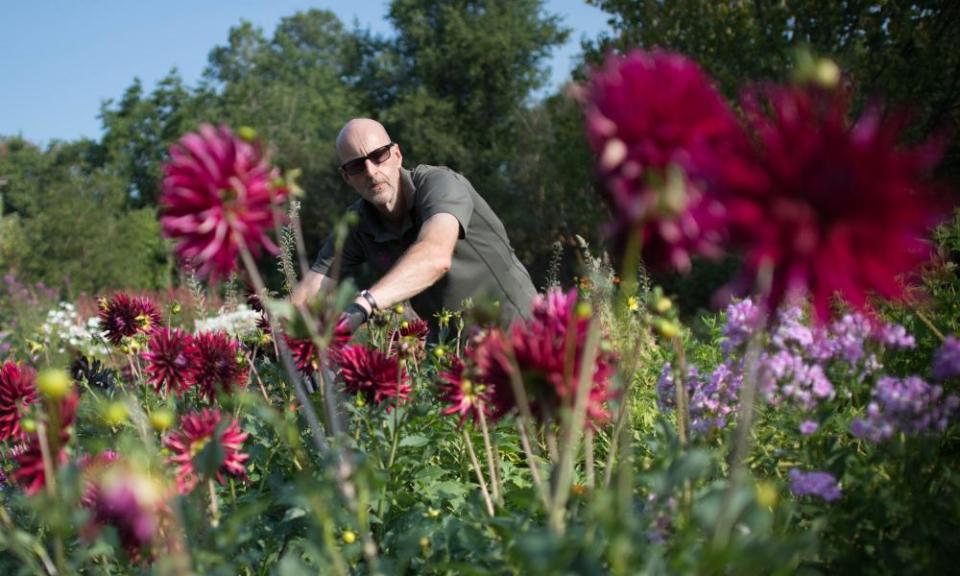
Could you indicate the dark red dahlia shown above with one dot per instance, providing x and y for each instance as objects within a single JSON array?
[
  {"x": 196, "y": 431},
  {"x": 304, "y": 352},
  {"x": 548, "y": 350},
  {"x": 18, "y": 389},
  {"x": 659, "y": 128},
  {"x": 466, "y": 396},
  {"x": 124, "y": 316},
  {"x": 30, "y": 472},
  {"x": 171, "y": 360},
  {"x": 410, "y": 339},
  {"x": 835, "y": 208},
  {"x": 219, "y": 365},
  {"x": 373, "y": 374},
  {"x": 219, "y": 193}
]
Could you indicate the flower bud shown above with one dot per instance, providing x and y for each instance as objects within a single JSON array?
[
  {"x": 767, "y": 494},
  {"x": 349, "y": 537},
  {"x": 176, "y": 308},
  {"x": 662, "y": 305},
  {"x": 666, "y": 328},
  {"x": 161, "y": 419},
  {"x": 115, "y": 414},
  {"x": 399, "y": 309},
  {"x": 247, "y": 133},
  {"x": 28, "y": 425},
  {"x": 53, "y": 383},
  {"x": 584, "y": 310}
]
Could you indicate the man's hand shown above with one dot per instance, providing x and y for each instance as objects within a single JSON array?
[{"x": 353, "y": 317}]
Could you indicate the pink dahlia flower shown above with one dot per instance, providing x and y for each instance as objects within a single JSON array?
[
  {"x": 196, "y": 431},
  {"x": 466, "y": 396},
  {"x": 836, "y": 208},
  {"x": 219, "y": 194},
  {"x": 170, "y": 358},
  {"x": 659, "y": 129},
  {"x": 219, "y": 365},
  {"x": 542, "y": 347},
  {"x": 30, "y": 472},
  {"x": 124, "y": 316},
  {"x": 373, "y": 374},
  {"x": 18, "y": 389}
]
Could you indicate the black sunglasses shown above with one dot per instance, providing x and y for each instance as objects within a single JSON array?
[{"x": 358, "y": 165}]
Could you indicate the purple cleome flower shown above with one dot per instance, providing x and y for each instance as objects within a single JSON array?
[
  {"x": 809, "y": 427},
  {"x": 786, "y": 377},
  {"x": 908, "y": 405},
  {"x": 743, "y": 319},
  {"x": 819, "y": 484},
  {"x": 711, "y": 400},
  {"x": 946, "y": 363}
]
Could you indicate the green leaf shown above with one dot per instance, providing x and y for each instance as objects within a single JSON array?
[{"x": 414, "y": 441}]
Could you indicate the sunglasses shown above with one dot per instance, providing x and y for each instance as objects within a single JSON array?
[{"x": 358, "y": 165}]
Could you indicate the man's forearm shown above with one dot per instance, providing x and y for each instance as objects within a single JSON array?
[{"x": 419, "y": 268}]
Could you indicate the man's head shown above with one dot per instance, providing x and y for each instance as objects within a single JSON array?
[{"x": 370, "y": 162}]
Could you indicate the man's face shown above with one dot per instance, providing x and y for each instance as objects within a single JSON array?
[{"x": 378, "y": 184}]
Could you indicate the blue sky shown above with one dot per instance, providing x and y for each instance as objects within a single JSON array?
[{"x": 62, "y": 58}]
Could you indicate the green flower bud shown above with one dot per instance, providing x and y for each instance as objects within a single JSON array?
[{"x": 53, "y": 383}]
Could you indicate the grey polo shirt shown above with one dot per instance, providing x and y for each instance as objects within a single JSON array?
[{"x": 483, "y": 265}]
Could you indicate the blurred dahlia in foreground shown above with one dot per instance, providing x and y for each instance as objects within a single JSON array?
[
  {"x": 219, "y": 194},
  {"x": 18, "y": 389},
  {"x": 219, "y": 364},
  {"x": 128, "y": 501},
  {"x": 196, "y": 431},
  {"x": 170, "y": 360},
  {"x": 371, "y": 373},
  {"x": 659, "y": 128},
  {"x": 834, "y": 208},
  {"x": 30, "y": 472},
  {"x": 123, "y": 316},
  {"x": 542, "y": 347}
]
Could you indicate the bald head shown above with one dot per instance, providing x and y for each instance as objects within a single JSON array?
[
  {"x": 379, "y": 180},
  {"x": 360, "y": 134}
]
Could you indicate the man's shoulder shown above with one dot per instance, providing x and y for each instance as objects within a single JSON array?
[{"x": 426, "y": 175}]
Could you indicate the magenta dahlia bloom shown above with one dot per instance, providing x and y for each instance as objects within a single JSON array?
[
  {"x": 30, "y": 472},
  {"x": 170, "y": 358},
  {"x": 305, "y": 353},
  {"x": 18, "y": 389},
  {"x": 373, "y": 374},
  {"x": 124, "y": 316},
  {"x": 659, "y": 129},
  {"x": 466, "y": 396},
  {"x": 196, "y": 431},
  {"x": 410, "y": 339},
  {"x": 218, "y": 364},
  {"x": 836, "y": 208},
  {"x": 219, "y": 193},
  {"x": 541, "y": 346}
]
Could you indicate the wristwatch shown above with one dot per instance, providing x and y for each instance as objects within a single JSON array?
[{"x": 370, "y": 299}]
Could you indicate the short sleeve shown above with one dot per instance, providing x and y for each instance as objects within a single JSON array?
[
  {"x": 444, "y": 191},
  {"x": 352, "y": 255}
]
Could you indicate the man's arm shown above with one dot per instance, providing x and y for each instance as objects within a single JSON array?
[
  {"x": 424, "y": 262},
  {"x": 312, "y": 283}
]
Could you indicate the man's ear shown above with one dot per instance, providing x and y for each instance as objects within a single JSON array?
[
  {"x": 344, "y": 176},
  {"x": 399, "y": 154}
]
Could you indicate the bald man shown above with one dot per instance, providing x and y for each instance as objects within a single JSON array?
[{"x": 426, "y": 232}]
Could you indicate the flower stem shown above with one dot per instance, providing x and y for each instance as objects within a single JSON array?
[
  {"x": 491, "y": 459},
  {"x": 214, "y": 504},
  {"x": 574, "y": 428},
  {"x": 476, "y": 468}
]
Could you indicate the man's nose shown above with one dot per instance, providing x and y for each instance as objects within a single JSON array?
[{"x": 369, "y": 167}]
